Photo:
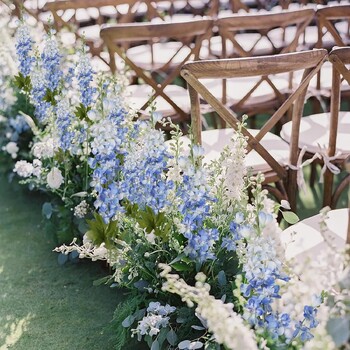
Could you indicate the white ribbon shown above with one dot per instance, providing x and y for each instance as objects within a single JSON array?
[
  {"x": 327, "y": 163},
  {"x": 299, "y": 167}
]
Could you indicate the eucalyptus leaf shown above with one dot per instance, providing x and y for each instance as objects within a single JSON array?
[
  {"x": 290, "y": 217},
  {"x": 47, "y": 210},
  {"x": 196, "y": 345},
  {"x": 171, "y": 337},
  {"x": 184, "y": 344},
  {"x": 222, "y": 278},
  {"x": 155, "y": 345},
  {"x": 339, "y": 329},
  {"x": 198, "y": 328},
  {"x": 62, "y": 258},
  {"x": 128, "y": 321}
]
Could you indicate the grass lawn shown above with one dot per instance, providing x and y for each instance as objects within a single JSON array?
[{"x": 44, "y": 305}]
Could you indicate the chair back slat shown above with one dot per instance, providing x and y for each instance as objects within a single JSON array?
[{"x": 195, "y": 74}]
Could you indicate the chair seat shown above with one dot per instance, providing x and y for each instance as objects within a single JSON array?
[
  {"x": 304, "y": 239},
  {"x": 162, "y": 54},
  {"x": 246, "y": 41},
  {"x": 314, "y": 132},
  {"x": 214, "y": 141},
  {"x": 91, "y": 33},
  {"x": 138, "y": 95}
]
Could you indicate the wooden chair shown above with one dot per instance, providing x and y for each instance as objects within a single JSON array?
[
  {"x": 157, "y": 64},
  {"x": 256, "y": 35},
  {"x": 269, "y": 154},
  {"x": 329, "y": 133}
]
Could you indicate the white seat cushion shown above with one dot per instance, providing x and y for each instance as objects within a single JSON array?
[
  {"x": 304, "y": 239},
  {"x": 314, "y": 132},
  {"x": 162, "y": 53},
  {"x": 214, "y": 141},
  {"x": 237, "y": 88},
  {"x": 138, "y": 95}
]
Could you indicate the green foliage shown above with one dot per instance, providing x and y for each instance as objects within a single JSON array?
[
  {"x": 99, "y": 232},
  {"x": 122, "y": 312},
  {"x": 81, "y": 112},
  {"x": 22, "y": 82},
  {"x": 158, "y": 224}
]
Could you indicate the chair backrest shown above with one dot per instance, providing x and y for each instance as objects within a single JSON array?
[
  {"x": 195, "y": 74},
  {"x": 124, "y": 11},
  {"x": 270, "y": 28},
  {"x": 340, "y": 58},
  {"x": 333, "y": 24},
  {"x": 184, "y": 40}
]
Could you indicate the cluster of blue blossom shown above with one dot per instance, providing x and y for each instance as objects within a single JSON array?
[
  {"x": 109, "y": 146},
  {"x": 17, "y": 125},
  {"x": 144, "y": 180},
  {"x": 263, "y": 270},
  {"x": 195, "y": 199},
  {"x": 24, "y": 48}
]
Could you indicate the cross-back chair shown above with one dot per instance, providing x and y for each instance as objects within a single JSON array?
[
  {"x": 328, "y": 134},
  {"x": 269, "y": 154},
  {"x": 256, "y": 35},
  {"x": 157, "y": 64}
]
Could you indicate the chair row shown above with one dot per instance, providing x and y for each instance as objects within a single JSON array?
[
  {"x": 323, "y": 137},
  {"x": 155, "y": 52}
]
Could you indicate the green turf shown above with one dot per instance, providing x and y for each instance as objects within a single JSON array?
[{"x": 44, "y": 305}]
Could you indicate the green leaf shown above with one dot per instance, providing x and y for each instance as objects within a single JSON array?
[
  {"x": 339, "y": 329},
  {"x": 171, "y": 337},
  {"x": 47, "y": 210},
  {"x": 180, "y": 266},
  {"x": 128, "y": 321},
  {"x": 155, "y": 345},
  {"x": 100, "y": 281},
  {"x": 62, "y": 259},
  {"x": 222, "y": 278},
  {"x": 290, "y": 217}
]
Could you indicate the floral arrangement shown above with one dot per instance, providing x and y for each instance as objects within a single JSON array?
[{"x": 196, "y": 245}]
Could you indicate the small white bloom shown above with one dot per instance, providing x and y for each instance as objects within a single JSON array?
[
  {"x": 285, "y": 204},
  {"x": 54, "y": 178},
  {"x": 23, "y": 168},
  {"x": 12, "y": 149}
]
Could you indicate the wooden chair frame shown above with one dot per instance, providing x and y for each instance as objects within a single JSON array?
[
  {"x": 325, "y": 16},
  {"x": 190, "y": 34},
  {"x": 339, "y": 57},
  {"x": 309, "y": 61},
  {"x": 263, "y": 23}
]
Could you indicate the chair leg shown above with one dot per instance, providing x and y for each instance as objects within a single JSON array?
[
  {"x": 292, "y": 189},
  {"x": 327, "y": 188},
  {"x": 340, "y": 188}
]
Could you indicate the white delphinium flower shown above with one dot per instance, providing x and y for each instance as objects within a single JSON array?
[
  {"x": 23, "y": 168},
  {"x": 81, "y": 209},
  {"x": 54, "y": 178},
  {"x": 226, "y": 325},
  {"x": 12, "y": 149},
  {"x": 156, "y": 318},
  {"x": 45, "y": 148},
  {"x": 236, "y": 170}
]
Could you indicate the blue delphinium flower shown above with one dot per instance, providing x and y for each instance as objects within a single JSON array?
[
  {"x": 194, "y": 205},
  {"x": 51, "y": 61},
  {"x": 64, "y": 119},
  {"x": 144, "y": 181},
  {"x": 24, "y": 48},
  {"x": 85, "y": 76},
  {"x": 109, "y": 146},
  {"x": 18, "y": 126},
  {"x": 38, "y": 93}
]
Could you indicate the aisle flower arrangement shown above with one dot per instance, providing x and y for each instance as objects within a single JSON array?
[{"x": 196, "y": 245}]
